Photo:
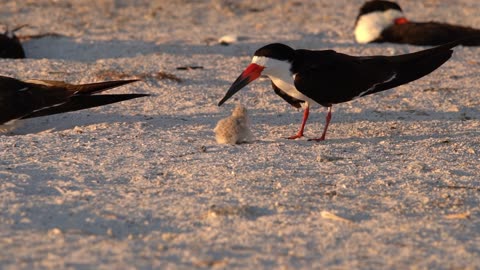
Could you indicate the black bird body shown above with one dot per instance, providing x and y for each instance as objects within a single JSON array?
[
  {"x": 34, "y": 98},
  {"x": 328, "y": 77},
  {"x": 304, "y": 77},
  {"x": 429, "y": 33},
  {"x": 383, "y": 21},
  {"x": 10, "y": 46}
]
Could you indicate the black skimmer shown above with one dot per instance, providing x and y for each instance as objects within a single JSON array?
[
  {"x": 10, "y": 46},
  {"x": 34, "y": 98},
  {"x": 383, "y": 21},
  {"x": 304, "y": 78}
]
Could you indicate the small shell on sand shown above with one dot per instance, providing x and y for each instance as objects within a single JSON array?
[
  {"x": 228, "y": 39},
  {"x": 235, "y": 128}
]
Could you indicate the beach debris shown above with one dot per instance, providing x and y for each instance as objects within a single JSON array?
[
  {"x": 164, "y": 76},
  {"x": 328, "y": 215},
  {"x": 235, "y": 128},
  {"x": 189, "y": 67},
  {"x": 250, "y": 212},
  {"x": 331, "y": 193},
  {"x": 228, "y": 39},
  {"x": 465, "y": 215},
  {"x": 210, "y": 263},
  {"x": 54, "y": 232},
  {"x": 118, "y": 75}
]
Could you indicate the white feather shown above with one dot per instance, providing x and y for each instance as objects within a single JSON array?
[
  {"x": 280, "y": 74},
  {"x": 370, "y": 26}
]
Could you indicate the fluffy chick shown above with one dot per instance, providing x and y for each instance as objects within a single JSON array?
[{"x": 235, "y": 128}]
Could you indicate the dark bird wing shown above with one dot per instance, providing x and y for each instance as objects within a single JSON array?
[
  {"x": 18, "y": 98},
  {"x": 297, "y": 103},
  {"x": 10, "y": 47},
  {"x": 80, "y": 89},
  {"x": 80, "y": 102},
  {"x": 329, "y": 77},
  {"x": 25, "y": 99},
  {"x": 430, "y": 33}
]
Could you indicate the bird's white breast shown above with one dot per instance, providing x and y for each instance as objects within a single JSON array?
[
  {"x": 288, "y": 87},
  {"x": 280, "y": 74}
]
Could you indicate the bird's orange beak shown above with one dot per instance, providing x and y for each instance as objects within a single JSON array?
[{"x": 252, "y": 72}]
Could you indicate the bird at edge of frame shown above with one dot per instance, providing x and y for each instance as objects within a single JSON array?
[
  {"x": 34, "y": 98},
  {"x": 383, "y": 21},
  {"x": 304, "y": 78},
  {"x": 10, "y": 46}
]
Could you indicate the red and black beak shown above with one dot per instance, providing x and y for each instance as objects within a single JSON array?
[{"x": 252, "y": 72}]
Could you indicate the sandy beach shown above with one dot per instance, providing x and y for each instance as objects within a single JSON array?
[{"x": 143, "y": 184}]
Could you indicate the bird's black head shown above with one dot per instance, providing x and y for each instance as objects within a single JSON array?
[
  {"x": 378, "y": 5},
  {"x": 271, "y": 53},
  {"x": 276, "y": 51}
]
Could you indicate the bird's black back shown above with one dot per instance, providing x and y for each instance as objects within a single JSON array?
[
  {"x": 328, "y": 77},
  {"x": 377, "y": 6},
  {"x": 429, "y": 34},
  {"x": 10, "y": 47},
  {"x": 17, "y": 99}
]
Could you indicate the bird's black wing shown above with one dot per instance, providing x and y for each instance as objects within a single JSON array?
[
  {"x": 32, "y": 98},
  {"x": 18, "y": 98},
  {"x": 430, "y": 34},
  {"x": 82, "y": 89},
  {"x": 81, "y": 102},
  {"x": 329, "y": 77},
  {"x": 297, "y": 103}
]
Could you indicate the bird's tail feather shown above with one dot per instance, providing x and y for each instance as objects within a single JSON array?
[
  {"x": 410, "y": 67},
  {"x": 81, "y": 102}
]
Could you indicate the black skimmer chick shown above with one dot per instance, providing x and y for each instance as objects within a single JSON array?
[
  {"x": 383, "y": 21},
  {"x": 235, "y": 128},
  {"x": 10, "y": 46},
  {"x": 34, "y": 98},
  {"x": 304, "y": 78}
]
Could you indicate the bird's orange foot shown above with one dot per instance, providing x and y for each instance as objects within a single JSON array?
[{"x": 299, "y": 135}]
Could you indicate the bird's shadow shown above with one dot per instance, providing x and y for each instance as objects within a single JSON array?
[
  {"x": 88, "y": 50},
  {"x": 68, "y": 48},
  {"x": 70, "y": 120},
  {"x": 83, "y": 50},
  {"x": 72, "y": 217},
  {"x": 66, "y": 121},
  {"x": 463, "y": 114}
]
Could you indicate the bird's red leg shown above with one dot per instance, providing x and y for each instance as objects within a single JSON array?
[
  {"x": 328, "y": 118},
  {"x": 304, "y": 121}
]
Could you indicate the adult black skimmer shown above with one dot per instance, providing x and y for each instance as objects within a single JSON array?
[
  {"x": 34, "y": 98},
  {"x": 383, "y": 21},
  {"x": 10, "y": 46},
  {"x": 303, "y": 77}
]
